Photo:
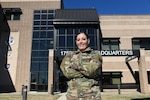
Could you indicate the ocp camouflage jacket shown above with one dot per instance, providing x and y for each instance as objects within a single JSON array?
[{"x": 78, "y": 64}]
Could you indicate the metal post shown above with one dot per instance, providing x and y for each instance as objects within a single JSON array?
[
  {"x": 22, "y": 90},
  {"x": 24, "y": 93},
  {"x": 118, "y": 88},
  {"x": 52, "y": 92}
]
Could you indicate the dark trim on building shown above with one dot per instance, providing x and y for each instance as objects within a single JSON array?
[
  {"x": 76, "y": 16},
  {"x": 12, "y": 10}
]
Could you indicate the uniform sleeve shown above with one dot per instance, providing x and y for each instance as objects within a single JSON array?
[
  {"x": 93, "y": 68},
  {"x": 67, "y": 68}
]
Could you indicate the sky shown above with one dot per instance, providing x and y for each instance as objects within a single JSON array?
[{"x": 112, "y": 6}]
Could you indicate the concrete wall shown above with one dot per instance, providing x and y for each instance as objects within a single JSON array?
[{"x": 125, "y": 27}]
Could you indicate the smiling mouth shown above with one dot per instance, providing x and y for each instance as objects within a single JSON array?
[{"x": 82, "y": 45}]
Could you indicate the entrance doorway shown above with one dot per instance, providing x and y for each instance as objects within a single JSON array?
[
  {"x": 60, "y": 81},
  {"x": 39, "y": 82}
]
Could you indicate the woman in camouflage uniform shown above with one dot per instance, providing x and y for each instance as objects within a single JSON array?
[{"x": 82, "y": 69}]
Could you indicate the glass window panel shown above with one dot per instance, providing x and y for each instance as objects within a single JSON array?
[
  {"x": 34, "y": 66},
  {"x": 44, "y": 11},
  {"x": 37, "y": 11},
  {"x": 50, "y": 11},
  {"x": 43, "y": 34},
  {"x": 50, "y": 34},
  {"x": 105, "y": 45},
  {"x": 50, "y": 28},
  {"x": 34, "y": 53},
  {"x": 142, "y": 43},
  {"x": 36, "y": 34},
  {"x": 110, "y": 44},
  {"x": 35, "y": 44},
  {"x": 148, "y": 45},
  {"x": 16, "y": 16},
  {"x": 42, "y": 87},
  {"x": 62, "y": 41},
  {"x": 92, "y": 41},
  {"x": 70, "y": 41},
  {"x": 90, "y": 31},
  {"x": 43, "y": 22},
  {"x": 70, "y": 49},
  {"x": 34, "y": 59},
  {"x": 44, "y": 16},
  {"x": 33, "y": 86},
  {"x": 36, "y": 16},
  {"x": 136, "y": 44},
  {"x": 95, "y": 41},
  {"x": 83, "y": 30},
  {"x": 76, "y": 31},
  {"x": 8, "y": 16},
  {"x": 42, "y": 78},
  {"x": 74, "y": 43},
  {"x": 116, "y": 81},
  {"x": 136, "y": 47},
  {"x": 106, "y": 80},
  {"x": 46, "y": 77},
  {"x": 36, "y": 28},
  {"x": 114, "y": 44},
  {"x": 145, "y": 43},
  {"x": 43, "y": 44},
  {"x": 43, "y": 66},
  {"x": 50, "y": 16},
  {"x": 36, "y": 22},
  {"x": 69, "y": 31},
  {"x": 116, "y": 74},
  {"x": 106, "y": 73},
  {"x": 62, "y": 31},
  {"x": 114, "y": 47},
  {"x": 105, "y": 42},
  {"x": 50, "y": 44},
  {"x": 43, "y": 59},
  {"x": 33, "y": 77},
  {"x": 43, "y": 53},
  {"x": 43, "y": 28},
  {"x": 50, "y": 22}
]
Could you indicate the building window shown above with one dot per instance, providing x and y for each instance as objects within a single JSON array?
[
  {"x": 111, "y": 78},
  {"x": 141, "y": 43},
  {"x": 110, "y": 44},
  {"x": 12, "y": 13},
  {"x": 66, "y": 37},
  {"x": 13, "y": 16},
  {"x": 42, "y": 41}
]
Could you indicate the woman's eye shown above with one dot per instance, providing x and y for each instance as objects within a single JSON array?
[
  {"x": 78, "y": 39},
  {"x": 83, "y": 39}
]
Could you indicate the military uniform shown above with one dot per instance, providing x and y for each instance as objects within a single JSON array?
[{"x": 82, "y": 70}]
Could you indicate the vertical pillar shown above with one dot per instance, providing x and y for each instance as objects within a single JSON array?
[
  {"x": 143, "y": 72},
  {"x": 50, "y": 71}
]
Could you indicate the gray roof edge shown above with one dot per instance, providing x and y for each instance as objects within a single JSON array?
[{"x": 76, "y": 15}]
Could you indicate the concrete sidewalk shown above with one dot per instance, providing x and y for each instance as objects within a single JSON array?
[{"x": 63, "y": 95}]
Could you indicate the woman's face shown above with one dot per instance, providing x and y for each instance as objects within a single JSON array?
[{"x": 82, "y": 41}]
